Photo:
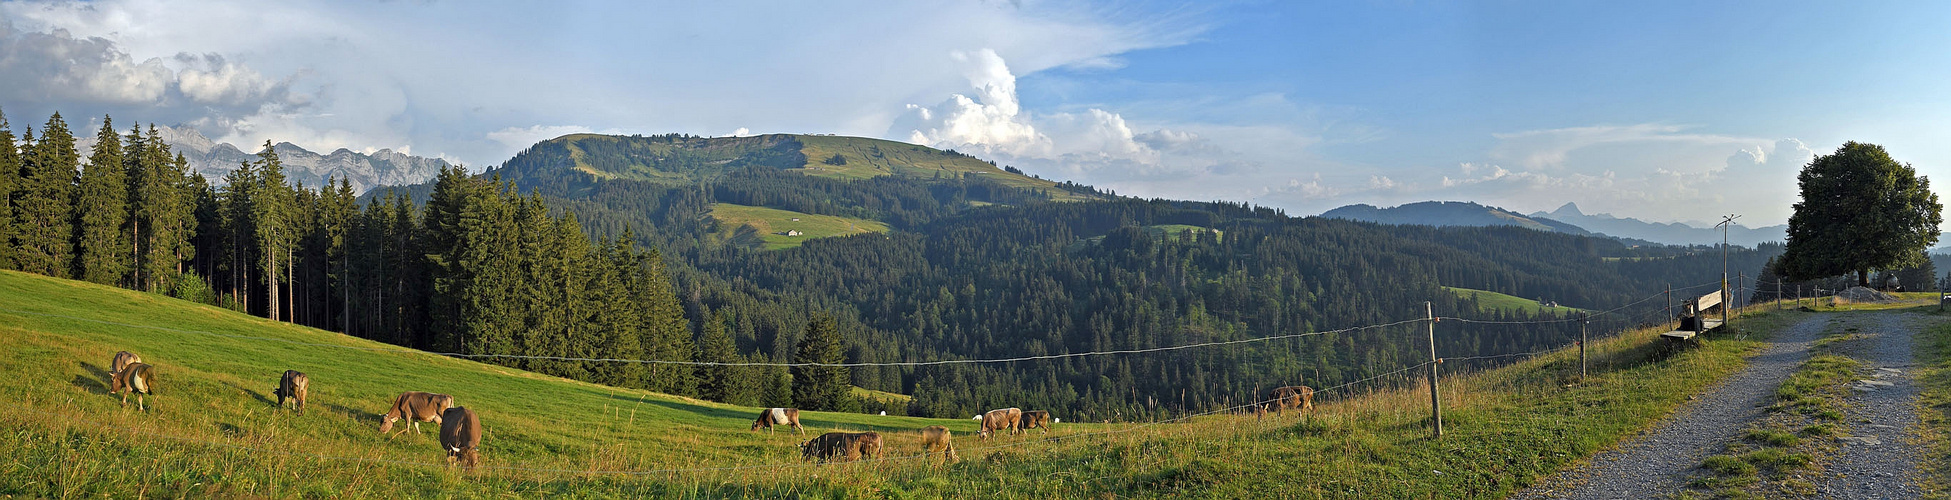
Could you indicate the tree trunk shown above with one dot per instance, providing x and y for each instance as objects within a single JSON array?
[{"x": 1863, "y": 278}]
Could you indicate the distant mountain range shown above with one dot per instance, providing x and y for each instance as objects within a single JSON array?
[
  {"x": 365, "y": 171},
  {"x": 1566, "y": 219},
  {"x": 1450, "y": 213},
  {"x": 1671, "y": 233}
]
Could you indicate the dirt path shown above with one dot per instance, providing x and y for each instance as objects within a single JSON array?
[
  {"x": 1882, "y": 409},
  {"x": 1656, "y": 463}
]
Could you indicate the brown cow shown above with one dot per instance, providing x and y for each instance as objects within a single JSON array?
[
  {"x": 1293, "y": 396},
  {"x": 996, "y": 420},
  {"x": 293, "y": 385},
  {"x": 778, "y": 416},
  {"x": 937, "y": 439},
  {"x": 848, "y": 446},
  {"x": 460, "y": 435},
  {"x": 1032, "y": 420},
  {"x": 139, "y": 378},
  {"x": 122, "y": 360},
  {"x": 415, "y": 407}
]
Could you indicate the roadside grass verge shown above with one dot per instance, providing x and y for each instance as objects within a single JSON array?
[
  {"x": 1934, "y": 410},
  {"x": 212, "y": 431}
]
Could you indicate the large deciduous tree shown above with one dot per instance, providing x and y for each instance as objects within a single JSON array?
[{"x": 1860, "y": 210}]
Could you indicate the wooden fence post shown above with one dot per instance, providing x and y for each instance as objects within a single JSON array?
[
  {"x": 1435, "y": 405},
  {"x": 1584, "y": 320}
]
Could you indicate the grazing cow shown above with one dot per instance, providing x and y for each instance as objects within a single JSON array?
[
  {"x": 460, "y": 435},
  {"x": 415, "y": 407},
  {"x": 1293, "y": 396},
  {"x": 847, "y": 446},
  {"x": 122, "y": 360},
  {"x": 292, "y": 386},
  {"x": 1032, "y": 420},
  {"x": 937, "y": 439},
  {"x": 778, "y": 416},
  {"x": 139, "y": 378},
  {"x": 997, "y": 420}
]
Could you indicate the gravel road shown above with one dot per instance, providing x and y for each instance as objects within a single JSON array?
[
  {"x": 1656, "y": 463},
  {"x": 1882, "y": 407}
]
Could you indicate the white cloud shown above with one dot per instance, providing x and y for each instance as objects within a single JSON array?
[
  {"x": 444, "y": 76},
  {"x": 524, "y": 137},
  {"x": 741, "y": 132}
]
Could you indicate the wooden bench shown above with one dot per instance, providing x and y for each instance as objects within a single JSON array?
[{"x": 1696, "y": 322}]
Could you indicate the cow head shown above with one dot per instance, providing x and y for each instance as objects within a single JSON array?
[{"x": 386, "y": 423}]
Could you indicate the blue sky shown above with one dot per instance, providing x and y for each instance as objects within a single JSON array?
[{"x": 1658, "y": 110}]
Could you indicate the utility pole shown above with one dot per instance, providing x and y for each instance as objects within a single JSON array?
[
  {"x": 1726, "y": 221},
  {"x": 1435, "y": 405}
]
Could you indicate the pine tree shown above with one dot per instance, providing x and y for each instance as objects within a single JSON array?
[
  {"x": 717, "y": 382},
  {"x": 821, "y": 387},
  {"x": 44, "y": 205},
  {"x": 271, "y": 216},
  {"x": 101, "y": 208},
  {"x": 9, "y": 184},
  {"x": 163, "y": 204}
]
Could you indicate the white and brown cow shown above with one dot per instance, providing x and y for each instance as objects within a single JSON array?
[
  {"x": 460, "y": 435},
  {"x": 999, "y": 420},
  {"x": 778, "y": 416},
  {"x": 937, "y": 439},
  {"x": 415, "y": 407},
  {"x": 139, "y": 378},
  {"x": 292, "y": 386},
  {"x": 1293, "y": 396},
  {"x": 846, "y": 446},
  {"x": 122, "y": 360}
]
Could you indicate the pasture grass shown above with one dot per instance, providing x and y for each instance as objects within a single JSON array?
[
  {"x": 211, "y": 429},
  {"x": 1488, "y": 300},
  {"x": 865, "y": 158},
  {"x": 771, "y": 222}
]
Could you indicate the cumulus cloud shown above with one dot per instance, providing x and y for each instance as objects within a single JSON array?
[{"x": 1092, "y": 143}]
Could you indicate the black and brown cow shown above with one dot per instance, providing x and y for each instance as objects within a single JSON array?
[
  {"x": 845, "y": 446},
  {"x": 937, "y": 439},
  {"x": 460, "y": 435},
  {"x": 415, "y": 407},
  {"x": 139, "y": 378},
  {"x": 999, "y": 420},
  {"x": 292, "y": 386},
  {"x": 122, "y": 360},
  {"x": 1033, "y": 420},
  {"x": 778, "y": 416},
  {"x": 1293, "y": 396}
]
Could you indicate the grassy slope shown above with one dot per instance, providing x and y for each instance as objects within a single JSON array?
[
  {"x": 771, "y": 221},
  {"x": 876, "y": 157},
  {"x": 211, "y": 431},
  {"x": 1493, "y": 300}
]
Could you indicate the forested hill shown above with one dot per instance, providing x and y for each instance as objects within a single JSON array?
[
  {"x": 681, "y": 159},
  {"x": 975, "y": 267}
]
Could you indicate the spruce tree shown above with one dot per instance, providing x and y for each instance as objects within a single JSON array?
[
  {"x": 44, "y": 205},
  {"x": 101, "y": 209},
  {"x": 271, "y": 217},
  {"x": 9, "y": 184},
  {"x": 163, "y": 221},
  {"x": 821, "y": 387},
  {"x": 717, "y": 382}
]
